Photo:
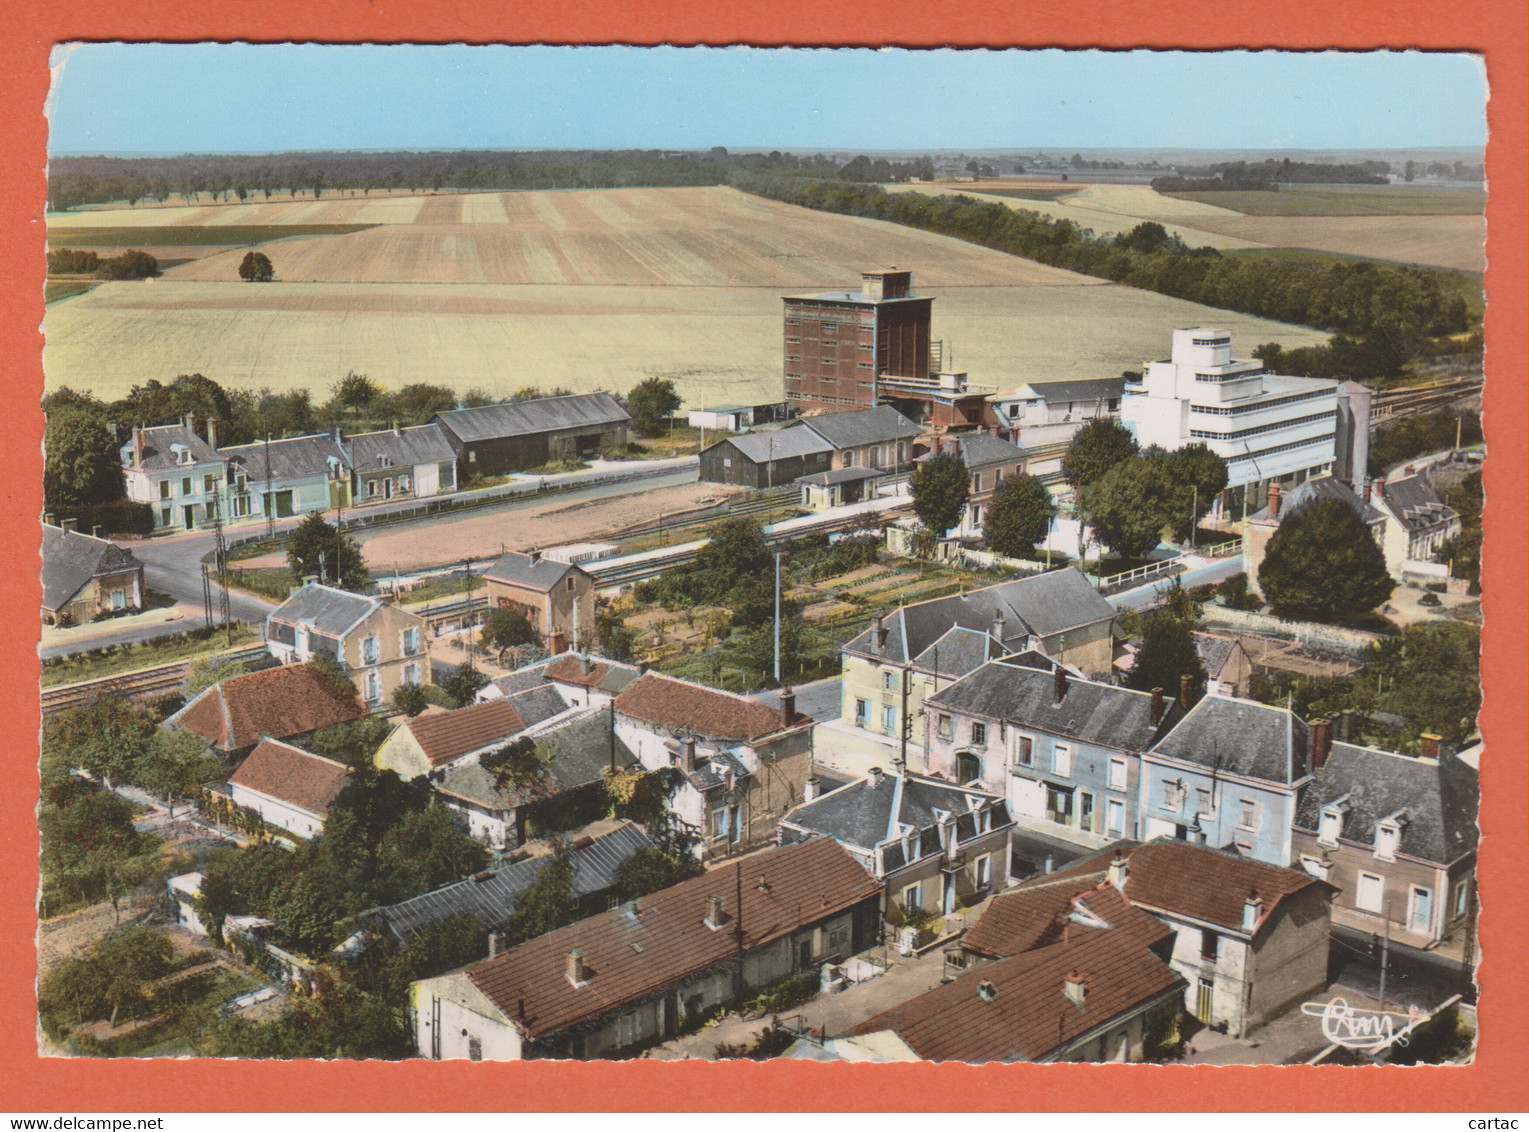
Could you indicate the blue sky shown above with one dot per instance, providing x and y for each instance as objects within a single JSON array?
[{"x": 180, "y": 98}]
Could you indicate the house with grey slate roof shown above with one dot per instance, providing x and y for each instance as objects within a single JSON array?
[
  {"x": 907, "y": 655},
  {"x": 85, "y": 577},
  {"x": 176, "y": 472},
  {"x": 597, "y": 856},
  {"x": 494, "y": 440},
  {"x": 879, "y": 440},
  {"x": 380, "y": 646},
  {"x": 401, "y": 463},
  {"x": 295, "y": 475},
  {"x": 1418, "y": 520},
  {"x": 1396, "y": 835},
  {"x": 935, "y": 846},
  {"x": 558, "y": 598},
  {"x": 1066, "y": 753},
  {"x": 1230, "y": 775}
]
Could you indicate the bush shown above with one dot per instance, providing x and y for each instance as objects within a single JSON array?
[{"x": 116, "y": 518}]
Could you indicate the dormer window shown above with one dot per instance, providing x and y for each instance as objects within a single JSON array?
[
  {"x": 1388, "y": 836},
  {"x": 1332, "y": 821}
]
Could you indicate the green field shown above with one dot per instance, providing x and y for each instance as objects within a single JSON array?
[
  {"x": 207, "y": 235},
  {"x": 1021, "y": 194},
  {"x": 1463, "y": 283},
  {"x": 54, "y": 290},
  {"x": 1347, "y": 200}
]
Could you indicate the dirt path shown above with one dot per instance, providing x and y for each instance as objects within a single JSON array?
[{"x": 552, "y": 524}]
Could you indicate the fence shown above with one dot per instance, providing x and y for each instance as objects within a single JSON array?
[
  {"x": 1127, "y": 578},
  {"x": 985, "y": 560},
  {"x": 1228, "y": 549},
  {"x": 467, "y": 502}
]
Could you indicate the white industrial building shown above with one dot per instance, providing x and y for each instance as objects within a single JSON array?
[{"x": 1268, "y": 428}]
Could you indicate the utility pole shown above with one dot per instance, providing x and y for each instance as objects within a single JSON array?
[{"x": 777, "y": 618}]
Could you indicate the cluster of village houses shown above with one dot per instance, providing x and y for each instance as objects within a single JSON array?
[{"x": 1146, "y": 855}]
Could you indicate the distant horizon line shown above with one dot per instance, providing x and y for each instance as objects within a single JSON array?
[{"x": 1146, "y": 150}]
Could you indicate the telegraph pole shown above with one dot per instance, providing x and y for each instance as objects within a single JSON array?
[{"x": 777, "y": 618}]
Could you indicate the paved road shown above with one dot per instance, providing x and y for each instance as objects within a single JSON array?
[
  {"x": 1143, "y": 596},
  {"x": 173, "y": 563},
  {"x": 1413, "y": 977}
]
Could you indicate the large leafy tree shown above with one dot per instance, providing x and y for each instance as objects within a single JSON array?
[
  {"x": 1167, "y": 652},
  {"x": 256, "y": 268},
  {"x": 547, "y": 905},
  {"x": 735, "y": 552},
  {"x": 1096, "y": 448},
  {"x": 652, "y": 402},
  {"x": 107, "y": 737},
  {"x": 81, "y": 462},
  {"x": 113, "y": 974},
  {"x": 1431, "y": 676},
  {"x": 507, "y": 627},
  {"x": 1126, "y": 505},
  {"x": 1322, "y": 564},
  {"x": 941, "y": 487},
  {"x": 1198, "y": 475},
  {"x": 1019, "y": 518},
  {"x": 176, "y": 765},
  {"x": 317, "y": 549}
]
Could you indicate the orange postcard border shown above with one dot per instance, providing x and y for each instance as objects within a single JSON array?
[{"x": 1495, "y": 1082}]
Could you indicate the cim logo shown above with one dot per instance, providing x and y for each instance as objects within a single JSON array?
[{"x": 1367, "y": 1030}]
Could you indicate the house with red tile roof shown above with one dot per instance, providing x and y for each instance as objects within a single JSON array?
[
  {"x": 289, "y": 704},
  {"x": 1248, "y": 938},
  {"x": 1101, "y": 992},
  {"x": 740, "y": 763},
  {"x": 288, "y": 786},
  {"x": 614, "y": 984},
  {"x": 437, "y": 740},
  {"x": 586, "y": 680}
]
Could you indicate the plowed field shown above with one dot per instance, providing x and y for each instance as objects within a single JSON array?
[{"x": 710, "y": 237}]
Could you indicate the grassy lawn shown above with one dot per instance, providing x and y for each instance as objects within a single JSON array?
[
  {"x": 276, "y": 584},
  {"x": 220, "y": 235},
  {"x": 56, "y": 289},
  {"x": 94, "y": 665},
  {"x": 1346, "y": 200},
  {"x": 448, "y": 587}
]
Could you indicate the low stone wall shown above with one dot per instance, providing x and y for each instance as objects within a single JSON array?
[{"x": 1322, "y": 638}]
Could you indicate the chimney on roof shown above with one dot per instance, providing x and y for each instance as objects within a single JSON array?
[
  {"x": 137, "y": 447},
  {"x": 1380, "y": 488},
  {"x": 1252, "y": 911},
  {"x": 1075, "y": 987},
  {"x": 578, "y": 975},
  {"x": 1366, "y": 493},
  {"x": 873, "y": 777},
  {"x": 495, "y": 943},
  {"x": 881, "y": 633},
  {"x": 812, "y": 788},
  {"x": 49, "y": 519},
  {"x": 397, "y": 429},
  {"x": 787, "y": 706},
  {"x": 955, "y": 447},
  {"x": 939, "y": 445},
  {"x": 1157, "y": 706},
  {"x": 716, "y": 918},
  {"x": 586, "y": 666},
  {"x": 69, "y": 524},
  {"x": 1409, "y": 469},
  {"x": 1119, "y": 871},
  {"x": 1059, "y": 680},
  {"x": 212, "y": 433},
  {"x": 191, "y": 421},
  {"x": 95, "y": 530},
  {"x": 559, "y": 643},
  {"x": 1186, "y": 690},
  {"x": 997, "y": 431},
  {"x": 533, "y": 556},
  {"x": 998, "y": 627},
  {"x": 1274, "y": 493},
  {"x": 1430, "y": 747},
  {"x": 987, "y": 991},
  {"x": 1321, "y": 743},
  {"x": 687, "y": 754}
]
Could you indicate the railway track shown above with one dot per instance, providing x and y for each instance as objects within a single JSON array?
[{"x": 144, "y": 684}]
